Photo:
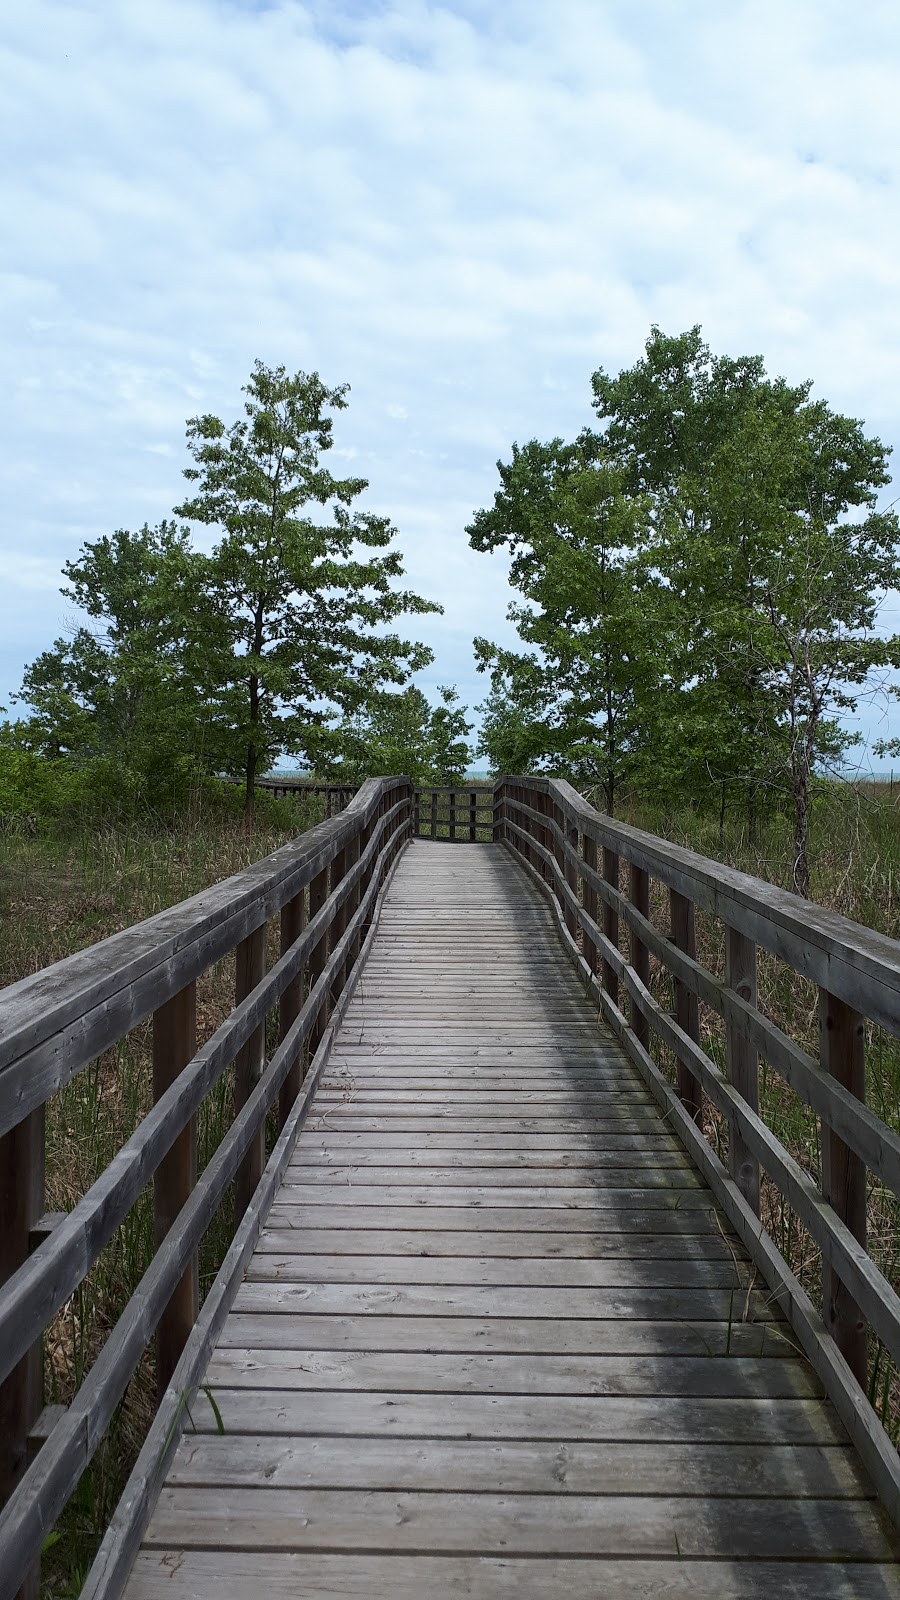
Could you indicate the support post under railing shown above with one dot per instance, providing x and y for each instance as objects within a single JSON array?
[
  {"x": 293, "y": 921},
  {"x": 611, "y": 922},
  {"x": 473, "y": 815},
  {"x": 174, "y": 1045},
  {"x": 451, "y": 808},
  {"x": 250, "y": 969},
  {"x": 842, "y": 1054},
  {"x": 571, "y": 874},
  {"x": 21, "y": 1395},
  {"x": 687, "y": 1006},
  {"x": 318, "y": 894},
  {"x": 498, "y": 816},
  {"x": 589, "y": 901},
  {"x": 742, "y": 1062},
  {"x": 639, "y": 894}
]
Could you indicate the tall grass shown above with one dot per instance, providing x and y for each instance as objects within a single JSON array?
[{"x": 59, "y": 893}]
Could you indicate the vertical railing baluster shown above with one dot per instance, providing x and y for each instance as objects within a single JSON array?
[
  {"x": 473, "y": 814},
  {"x": 293, "y": 921},
  {"x": 611, "y": 922},
  {"x": 250, "y": 969},
  {"x": 21, "y": 1395},
  {"x": 742, "y": 1062},
  {"x": 452, "y": 812},
  {"x": 571, "y": 873},
  {"x": 174, "y": 1045},
  {"x": 842, "y": 1054},
  {"x": 589, "y": 900},
  {"x": 686, "y": 1003},
  {"x": 498, "y": 815},
  {"x": 639, "y": 894},
  {"x": 318, "y": 895}
]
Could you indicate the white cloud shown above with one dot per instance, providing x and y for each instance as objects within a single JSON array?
[{"x": 468, "y": 206}]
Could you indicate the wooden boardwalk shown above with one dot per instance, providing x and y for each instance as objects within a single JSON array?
[{"x": 496, "y": 1340}]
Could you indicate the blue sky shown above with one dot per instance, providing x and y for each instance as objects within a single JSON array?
[{"x": 460, "y": 210}]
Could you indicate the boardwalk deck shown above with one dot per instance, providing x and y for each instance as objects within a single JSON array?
[{"x": 495, "y": 1339}]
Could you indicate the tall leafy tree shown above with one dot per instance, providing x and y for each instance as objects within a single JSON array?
[
  {"x": 766, "y": 535},
  {"x": 123, "y": 692},
  {"x": 301, "y": 584},
  {"x": 587, "y": 695},
  {"x": 401, "y": 733}
]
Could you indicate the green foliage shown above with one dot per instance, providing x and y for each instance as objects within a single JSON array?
[
  {"x": 297, "y": 606},
  {"x": 400, "y": 733},
  {"x": 700, "y": 583}
]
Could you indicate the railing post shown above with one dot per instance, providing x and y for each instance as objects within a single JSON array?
[
  {"x": 570, "y": 872},
  {"x": 250, "y": 968},
  {"x": 293, "y": 921},
  {"x": 742, "y": 1062},
  {"x": 498, "y": 815},
  {"x": 21, "y": 1395},
  {"x": 842, "y": 1054},
  {"x": 589, "y": 901},
  {"x": 417, "y": 814},
  {"x": 318, "y": 895},
  {"x": 174, "y": 1045},
  {"x": 639, "y": 894},
  {"x": 611, "y": 922},
  {"x": 473, "y": 811},
  {"x": 451, "y": 804},
  {"x": 434, "y": 814},
  {"x": 686, "y": 1003},
  {"x": 339, "y": 921}
]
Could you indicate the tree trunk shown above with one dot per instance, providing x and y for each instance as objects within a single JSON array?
[
  {"x": 801, "y": 834},
  {"x": 250, "y": 790}
]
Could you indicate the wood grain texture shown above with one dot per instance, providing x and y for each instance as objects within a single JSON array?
[{"x": 496, "y": 1338}]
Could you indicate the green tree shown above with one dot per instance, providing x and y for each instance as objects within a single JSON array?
[
  {"x": 765, "y": 533},
  {"x": 299, "y": 605},
  {"x": 400, "y": 733},
  {"x": 121, "y": 698},
  {"x": 587, "y": 696}
]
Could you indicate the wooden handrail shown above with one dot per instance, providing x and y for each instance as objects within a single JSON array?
[
  {"x": 558, "y": 835},
  {"x": 99, "y": 995}
]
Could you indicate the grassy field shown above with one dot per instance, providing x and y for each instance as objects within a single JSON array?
[
  {"x": 56, "y": 896},
  {"x": 60, "y": 894}
]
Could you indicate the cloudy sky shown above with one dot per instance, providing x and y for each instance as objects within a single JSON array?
[{"x": 461, "y": 210}]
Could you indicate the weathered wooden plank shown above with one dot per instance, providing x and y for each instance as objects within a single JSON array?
[
  {"x": 410, "y": 1521},
  {"x": 625, "y": 1220},
  {"x": 449, "y": 1300},
  {"x": 522, "y": 1466},
  {"x": 607, "y": 1246},
  {"x": 583, "y": 1196},
  {"x": 210, "y": 1575},
  {"x": 538, "y": 1272},
  {"x": 505, "y": 1335},
  {"x": 497, "y": 1416},
  {"x": 429, "y": 1373}
]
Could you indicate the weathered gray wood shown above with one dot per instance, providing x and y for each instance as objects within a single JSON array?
[
  {"x": 39, "y": 1496},
  {"x": 210, "y": 1575},
  {"x": 842, "y": 1051},
  {"x": 113, "y": 1561},
  {"x": 21, "y": 1392},
  {"x": 633, "y": 1417},
  {"x": 521, "y": 1466},
  {"x": 53, "y": 1024},
  {"x": 741, "y": 1062},
  {"x": 293, "y": 922},
  {"x": 693, "y": 1249},
  {"x": 687, "y": 1010},
  {"x": 567, "y": 1273},
  {"x": 174, "y": 1044}
]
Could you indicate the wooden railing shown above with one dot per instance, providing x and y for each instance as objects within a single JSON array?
[
  {"x": 468, "y": 814},
  {"x": 323, "y": 889},
  {"x": 580, "y": 857}
]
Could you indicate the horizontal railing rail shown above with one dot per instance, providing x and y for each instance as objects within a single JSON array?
[
  {"x": 579, "y": 857},
  {"x": 324, "y": 889},
  {"x": 466, "y": 813}
]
